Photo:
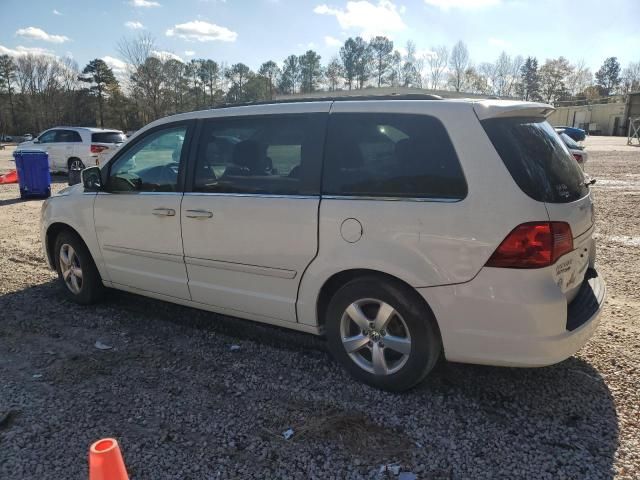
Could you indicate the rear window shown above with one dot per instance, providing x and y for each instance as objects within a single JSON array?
[
  {"x": 391, "y": 155},
  {"x": 537, "y": 159},
  {"x": 108, "y": 137}
]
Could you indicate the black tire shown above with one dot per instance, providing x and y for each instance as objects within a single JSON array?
[
  {"x": 415, "y": 316},
  {"x": 91, "y": 288},
  {"x": 72, "y": 160}
]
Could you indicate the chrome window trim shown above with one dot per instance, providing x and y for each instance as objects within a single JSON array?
[
  {"x": 138, "y": 193},
  {"x": 257, "y": 195},
  {"x": 393, "y": 199}
]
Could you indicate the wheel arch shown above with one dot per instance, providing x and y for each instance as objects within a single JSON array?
[
  {"x": 339, "y": 279},
  {"x": 52, "y": 233}
]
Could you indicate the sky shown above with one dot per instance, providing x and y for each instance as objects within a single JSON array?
[{"x": 253, "y": 31}]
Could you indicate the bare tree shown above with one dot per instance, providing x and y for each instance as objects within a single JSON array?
[
  {"x": 437, "y": 62},
  {"x": 458, "y": 63},
  {"x": 579, "y": 79}
]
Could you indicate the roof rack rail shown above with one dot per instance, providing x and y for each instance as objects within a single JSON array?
[{"x": 338, "y": 98}]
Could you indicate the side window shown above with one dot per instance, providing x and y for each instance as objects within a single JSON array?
[
  {"x": 48, "y": 137},
  {"x": 391, "y": 155},
  {"x": 67, "y": 136},
  {"x": 151, "y": 165},
  {"x": 278, "y": 155}
]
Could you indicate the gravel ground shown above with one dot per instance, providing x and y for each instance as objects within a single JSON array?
[{"x": 184, "y": 404}]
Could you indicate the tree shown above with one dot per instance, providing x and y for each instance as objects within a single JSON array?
[
  {"x": 458, "y": 63},
  {"x": 7, "y": 78},
  {"x": 631, "y": 78},
  {"x": 553, "y": 75},
  {"x": 271, "y": 72},
  {"x": 529, "y": 86},
  {"x": 579, "y": 79},
  {"x": 334, "y": 73},
  {"x": 100, "y": 76},
  {"x": 290, "y": 74},
  {"x": 395, "y": 74},
  {"x": 608, "y": 77},
  {"x": 363, "y": 61},
  {"x": 437, "y": 61},
  {"x": 310, "y": 71},
  {"x": 238, "y": 74},
  {"x": 382, "y": 52},
  {"x": 209, "y": 73},
  {"x": 349, "y": 56},
  {"x": 412, "y": 67}
]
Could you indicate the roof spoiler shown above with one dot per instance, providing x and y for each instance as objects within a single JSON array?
[{"x": 500, "y": 108}]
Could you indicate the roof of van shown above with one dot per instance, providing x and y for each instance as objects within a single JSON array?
[
  {"x": 89, "y": 129},
  {"x": 484, "y": 108}
]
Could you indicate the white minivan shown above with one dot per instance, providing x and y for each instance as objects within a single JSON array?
[{"x": 404, "y": 229}]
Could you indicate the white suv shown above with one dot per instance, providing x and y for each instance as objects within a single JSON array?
[
  {"x": 74, "y": 148},
  {"x": 402, "y": 229}
]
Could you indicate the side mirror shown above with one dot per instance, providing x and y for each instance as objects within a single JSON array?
[
  {"x": 92, "y": 179},
  {"x": 35, "y": 141}
]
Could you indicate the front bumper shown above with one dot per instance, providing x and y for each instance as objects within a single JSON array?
[{"x": 515, "y": 318}]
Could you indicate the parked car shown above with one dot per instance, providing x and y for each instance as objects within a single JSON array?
[
  {"x": 74, "y": 147},
  {"x": 576, "y": 150},
  {"x": 6, "y": 138},
  {"x": 27, "y": 137},
  {"x": 576, "y": 134},
  {"x": 402, "y": 229}
]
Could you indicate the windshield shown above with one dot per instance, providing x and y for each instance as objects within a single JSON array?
[
  {"x": 537, "y": 158},
  {"x": 108, "y": 137}
]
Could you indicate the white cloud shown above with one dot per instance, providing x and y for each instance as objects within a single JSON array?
[
  {"x": 189, "y": 53},
  {"x": 56, "y": 12},
  {"x": 164, "y": 55},
  {"x": 20, "y": 50},
  {"x": 201, "y": 31},
  {"x": 462, "y": 4},
  {"x": 144, "y": 3},
  {"x": 371, "y": 19},
  {"x": 39, "y": 34},
  {"x": 133, "y": 25},
  {"x": 118, "y": 66},
  {"x": 332, "y": 41}
]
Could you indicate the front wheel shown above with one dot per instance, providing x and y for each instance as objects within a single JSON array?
[
  {"x": 382, "y": 333},
  {"x": 76, "y": 270}
]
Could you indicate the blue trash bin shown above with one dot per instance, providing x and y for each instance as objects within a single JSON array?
[{"x": 33, "y": 173}]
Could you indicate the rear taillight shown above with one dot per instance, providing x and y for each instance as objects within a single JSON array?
[
  {"x": 98, "y": 148},
  {"x": 533, "y": 245},
  {"x": 578, "y": 157}
]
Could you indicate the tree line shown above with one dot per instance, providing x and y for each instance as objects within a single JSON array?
[{"x": 40, "y": 91}]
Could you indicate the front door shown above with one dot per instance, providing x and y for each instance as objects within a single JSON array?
[
  {"x": 250, "y": 223},
  {"x": 46, "y": 142},
  {"x": 137, "y": 219}
]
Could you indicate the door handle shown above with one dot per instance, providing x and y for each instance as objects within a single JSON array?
[
  {"x": 199, "y": 214},
  {"x": 164, "y": 212}
]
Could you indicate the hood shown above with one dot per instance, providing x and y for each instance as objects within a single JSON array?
[{"x": 76, "y": 189}]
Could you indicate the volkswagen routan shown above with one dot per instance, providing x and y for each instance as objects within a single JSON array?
[{"x": 404, "y": 229}]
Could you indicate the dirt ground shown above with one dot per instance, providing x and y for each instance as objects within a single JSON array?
[{"x": 184, "y": 404}]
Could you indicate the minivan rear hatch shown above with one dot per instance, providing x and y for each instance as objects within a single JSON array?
[{"x": 541, "y": 165}]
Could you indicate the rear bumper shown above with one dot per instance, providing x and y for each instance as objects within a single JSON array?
[{"x": 499, "y": 319}]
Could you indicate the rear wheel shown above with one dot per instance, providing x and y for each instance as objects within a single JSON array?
[
  {"x": 75, "y": 164},
  {"x": 76, "y": 270},
  {"x": 382, "y": 333}
]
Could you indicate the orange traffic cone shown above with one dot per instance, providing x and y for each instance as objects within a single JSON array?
[
  {"x": 105, "y": 461},
  {"x": 11, "y": 177}
]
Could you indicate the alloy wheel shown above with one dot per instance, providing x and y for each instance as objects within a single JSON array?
[{"x": 70, "y": 268}]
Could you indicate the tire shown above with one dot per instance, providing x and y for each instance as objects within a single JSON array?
[
  {"x": 411, "y": 329},
  {"x": 88, "y": 288},
  {"x": 78, "y": 163}
]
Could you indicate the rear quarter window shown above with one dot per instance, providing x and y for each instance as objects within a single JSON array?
[
  {"x": 108, "y": 137},
  {"x": 391, "y": 155},
  {"x": 537, "y": 159}
]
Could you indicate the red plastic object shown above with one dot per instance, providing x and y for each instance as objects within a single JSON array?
[
  {"x": 105, "y": 461},
  {"x": 11, "y": 177}
]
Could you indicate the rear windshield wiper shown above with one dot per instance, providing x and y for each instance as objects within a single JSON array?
[{"x": 589, "y": 182}]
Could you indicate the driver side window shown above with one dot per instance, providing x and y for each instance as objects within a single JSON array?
[
  {"x": 47, "y": 137},
  {"x": 152, "y": 164}
]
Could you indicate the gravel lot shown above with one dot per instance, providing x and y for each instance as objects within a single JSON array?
[{"x": 183, "y": 404}]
